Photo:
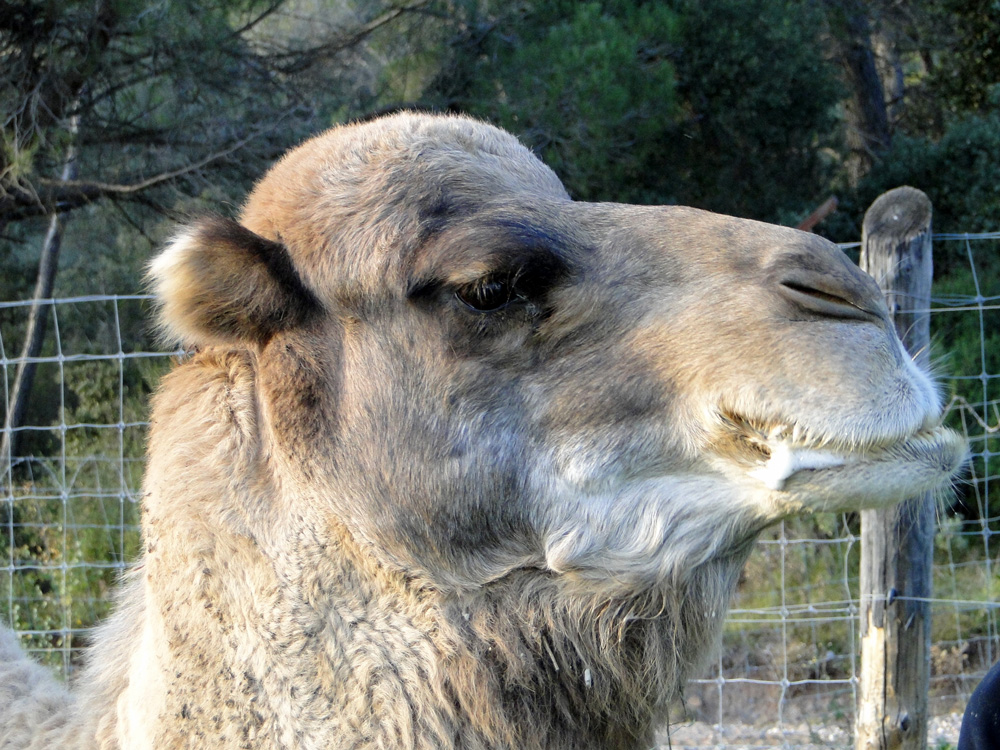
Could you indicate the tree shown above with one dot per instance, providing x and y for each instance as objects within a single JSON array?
[
  {"x": 128, "y": 102},
  {"x": 868, "y": 131},
  {"x": 760, "y": 102},
  {"x": 589, "y": 88},
  {"x": 160, "y": 92},
  {"x": 723, "y": 104}
]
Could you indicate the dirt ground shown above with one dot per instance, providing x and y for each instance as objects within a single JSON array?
[
  {"x": 799, "y": 736},
  {"x": 741, "y": 717}
]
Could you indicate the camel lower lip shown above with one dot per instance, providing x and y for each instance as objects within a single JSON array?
[
  {"x": 786, "y": 460},
  {"x": 938, "y": 447}
]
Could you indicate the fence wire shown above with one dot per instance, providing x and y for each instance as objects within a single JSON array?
[{"x": 787, "y": 671}]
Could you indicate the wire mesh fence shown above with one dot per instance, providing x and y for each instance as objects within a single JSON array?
[
  {"x": 72, "y": 471},
  {"x": 787, "y": 672}
]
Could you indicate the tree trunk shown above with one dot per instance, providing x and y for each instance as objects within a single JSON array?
[
  {"x": 868, "y": 133},
  {"x": 34, "y": 335}
]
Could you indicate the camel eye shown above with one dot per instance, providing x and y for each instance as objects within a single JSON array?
[{"x": 489, "y": 294}]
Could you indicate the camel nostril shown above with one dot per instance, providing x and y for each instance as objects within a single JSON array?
[
  {"x": 818, "y": 294},
  {"x": 826, "y": 302}
]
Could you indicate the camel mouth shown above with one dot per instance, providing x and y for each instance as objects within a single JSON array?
[{"x": 775, "y": 452}]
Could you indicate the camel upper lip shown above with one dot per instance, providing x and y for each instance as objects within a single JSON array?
[{"x": 764, "y": 434}]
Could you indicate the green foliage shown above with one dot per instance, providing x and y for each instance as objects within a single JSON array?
[
  {"x": 968, "y": 62},
  {"x": 589, "y": 86},
  {"x": 72, "y": 523},
  {"x": 786, "y": 573},
  {"x": 959, "y": 172},
  {"x": 968, "y": 344},
  {"x": 67, "y": 558},
  {"x": 760, "y": 102},
  {"x": 151, "y": 93},
  {"x": 724, "y": 104}
]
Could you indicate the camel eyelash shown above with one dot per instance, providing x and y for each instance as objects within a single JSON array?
[
  {"x": 491, "y": 293},
  {"x": 527, "y": 281}
]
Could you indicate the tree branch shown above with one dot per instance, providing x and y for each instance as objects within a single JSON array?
[
  {"x": 301, "y": 59},
  {"x": 60, "y": 196}
]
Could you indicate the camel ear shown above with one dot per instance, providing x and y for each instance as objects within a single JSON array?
[{"x": 219, "y": 283}]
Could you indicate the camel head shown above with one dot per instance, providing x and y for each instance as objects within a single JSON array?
[{"x": 475, "y": 374}]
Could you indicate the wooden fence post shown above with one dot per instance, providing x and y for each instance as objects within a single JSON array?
[{"x": 897, "y": 543}]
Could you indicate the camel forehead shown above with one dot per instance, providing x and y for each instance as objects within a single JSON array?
[
  {"x": 353, "y": 202},
  {"x": 406, "y": 158}
]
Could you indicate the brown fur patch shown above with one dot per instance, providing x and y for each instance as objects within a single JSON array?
[{"x": 221, "y": 282}]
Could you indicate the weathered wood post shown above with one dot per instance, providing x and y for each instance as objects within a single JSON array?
[{"x": 897, "y": 543}]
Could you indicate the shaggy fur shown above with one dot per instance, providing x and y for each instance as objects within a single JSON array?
[{"x": 461, "y": 463}]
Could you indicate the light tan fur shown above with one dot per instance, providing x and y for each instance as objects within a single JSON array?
[{"x": 462, "y": 463}]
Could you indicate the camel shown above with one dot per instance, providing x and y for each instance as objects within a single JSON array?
[{"x": 459, "y": 462}]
